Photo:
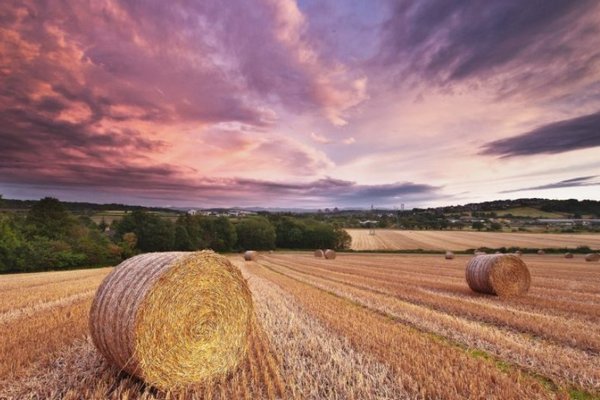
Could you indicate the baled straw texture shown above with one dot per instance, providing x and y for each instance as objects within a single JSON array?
[
  {"x": 568, "y": 255},
  {"x": 449, "y": 255},
  {"x": 250, "y": 255},
  {"x": 592, "y": 257},
  {"x": 319, "y": 253},
  {"x": 503, "y": 275},
  {"x": 173, "y": 319},
  {"x": 330, "y": 254}
]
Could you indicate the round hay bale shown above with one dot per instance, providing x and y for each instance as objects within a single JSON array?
[
  {"x": 330, "y": 254},
  {"x": 503, "y": 275},
  {"x": 319, "y": 253},
  {"x": 541, "y": 252},
  {"x": 250, "y": 255},
  {"x": 568, "y": 255},
  {"x": 479, "y": 252},
  {"x": 270, "y": 251},
  {"x": 592, "y": 257},
  {"x": 173, "y": 319},
  {"x": 449, "y": 255},
  {"x": 518, "y": 253},
  {"x": 497, "y": 252}
]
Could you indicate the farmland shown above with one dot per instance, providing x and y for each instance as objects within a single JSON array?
[
  {"x": 389, "y": 239},
  {"x": 361, "y": 326}
]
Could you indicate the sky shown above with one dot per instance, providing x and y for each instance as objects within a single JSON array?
[{"x": 304, "y": 104}]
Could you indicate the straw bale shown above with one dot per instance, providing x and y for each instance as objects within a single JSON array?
[
  {"x": 250, "y": 255},
  {"x": 592, "y": 257},
  {"x": 500, "y": 274},
  {"x": 173, "y": 319},
  {"x": 330, "y": 254}
]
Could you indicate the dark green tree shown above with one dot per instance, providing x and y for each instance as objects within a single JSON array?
[
  {"x": 255, "y": 233},
  {"x": 50, "y": 219}
]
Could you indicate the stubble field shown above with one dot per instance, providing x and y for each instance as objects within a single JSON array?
[
  {"x": 363, "y": 326},
  {"x": 390, "y": 239}
]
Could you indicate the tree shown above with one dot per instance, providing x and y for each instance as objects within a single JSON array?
[
  {"x": 342, "y": 239},
  {"x": 218, "y": 233},
  {"x": 182, "y": 239},
  {"x": 255, "y": 233},
  {"x": 495, "y": 226},
  {"x": 49, "y": 218},
  {"x": 477, "y": 225},
  {"x": 153, "y": 233}
]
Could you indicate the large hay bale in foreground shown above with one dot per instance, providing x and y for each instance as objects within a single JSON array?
[
  {"x": 330, "y": 254},
  {"x": 592, "y": 257},
  {"x": 503, "y": 275},
  {"x": 319, "y": 253},
  {"x": 449, "y": 255},
  {"x": 250, "y": 255},
  {"x": 568, "y": 255},
  {"x": 173, "y": 319}
]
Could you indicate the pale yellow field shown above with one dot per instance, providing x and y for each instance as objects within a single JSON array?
[
  {"x": 389, "y": 239},
  {"x": 363, "y": 326}
]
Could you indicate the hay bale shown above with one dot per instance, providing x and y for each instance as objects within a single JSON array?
[
  {"x": 568, "y": 255},
  {"x": 592, "y": 257},
  {"x": 497, "y": 252},
  {"x": 319, "y": 253},
  {"x": 270, "y": 251},
  {"x": 330, "y": 254},
  {"x": 449, "y": 255},
  {"x": 479, "y": 252},
  {"x": 250, "y": 255},
  {"x": 503, "y": 275},
  {"x": 173, "y": 319},
  {"x": 541, "y": 252},
  {"x": 518, "y": 253}
]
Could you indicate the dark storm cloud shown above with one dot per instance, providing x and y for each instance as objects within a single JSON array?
[
  {"x": 574, "y": 182},
  {"x": 557, "y": 137},
  {"x": 536, "y": 42}
]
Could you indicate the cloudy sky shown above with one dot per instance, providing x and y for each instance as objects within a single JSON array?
[{"x": 307, "y": 103}]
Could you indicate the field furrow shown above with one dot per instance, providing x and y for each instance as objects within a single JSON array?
[
  {"x": 568, "y": 366},
  {"x": 435, "y": 369},
  {"x": 577, "y": 333}
]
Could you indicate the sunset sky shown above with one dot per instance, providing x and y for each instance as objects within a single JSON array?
[{"x": 308, "y": 103}]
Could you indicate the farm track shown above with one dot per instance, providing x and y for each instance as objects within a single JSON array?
[
  {"x": 376, "y": 326},
  {"x": 389, "y": 239}
]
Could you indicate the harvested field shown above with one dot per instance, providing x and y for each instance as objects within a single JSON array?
[
  {"x": 390, "y": 239},
  {"x": 363, "y": 326}
]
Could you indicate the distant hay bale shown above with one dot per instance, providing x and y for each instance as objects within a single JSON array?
[
  {"x": 270, "y": 251},
  {"x": 479, "y": 252},
  {"x": 592, "y": 257},
  {"x": 519, "y": 253},
  {"x": 250, "y": 255},
  {"x": 541, "y": 252},
  {"x": 503, "y": 275},
  {"x": 173, "y": 319},
  {"x": 319, "y": 253},
  {"x": 497, "y": 252},
  {"x": 330, "y": 254},
  {"x": 568, "y": 255},
  {"x": 449, "y": 255}
]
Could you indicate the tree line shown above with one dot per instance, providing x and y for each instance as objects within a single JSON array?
[{"x": 49, "y": 237}]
